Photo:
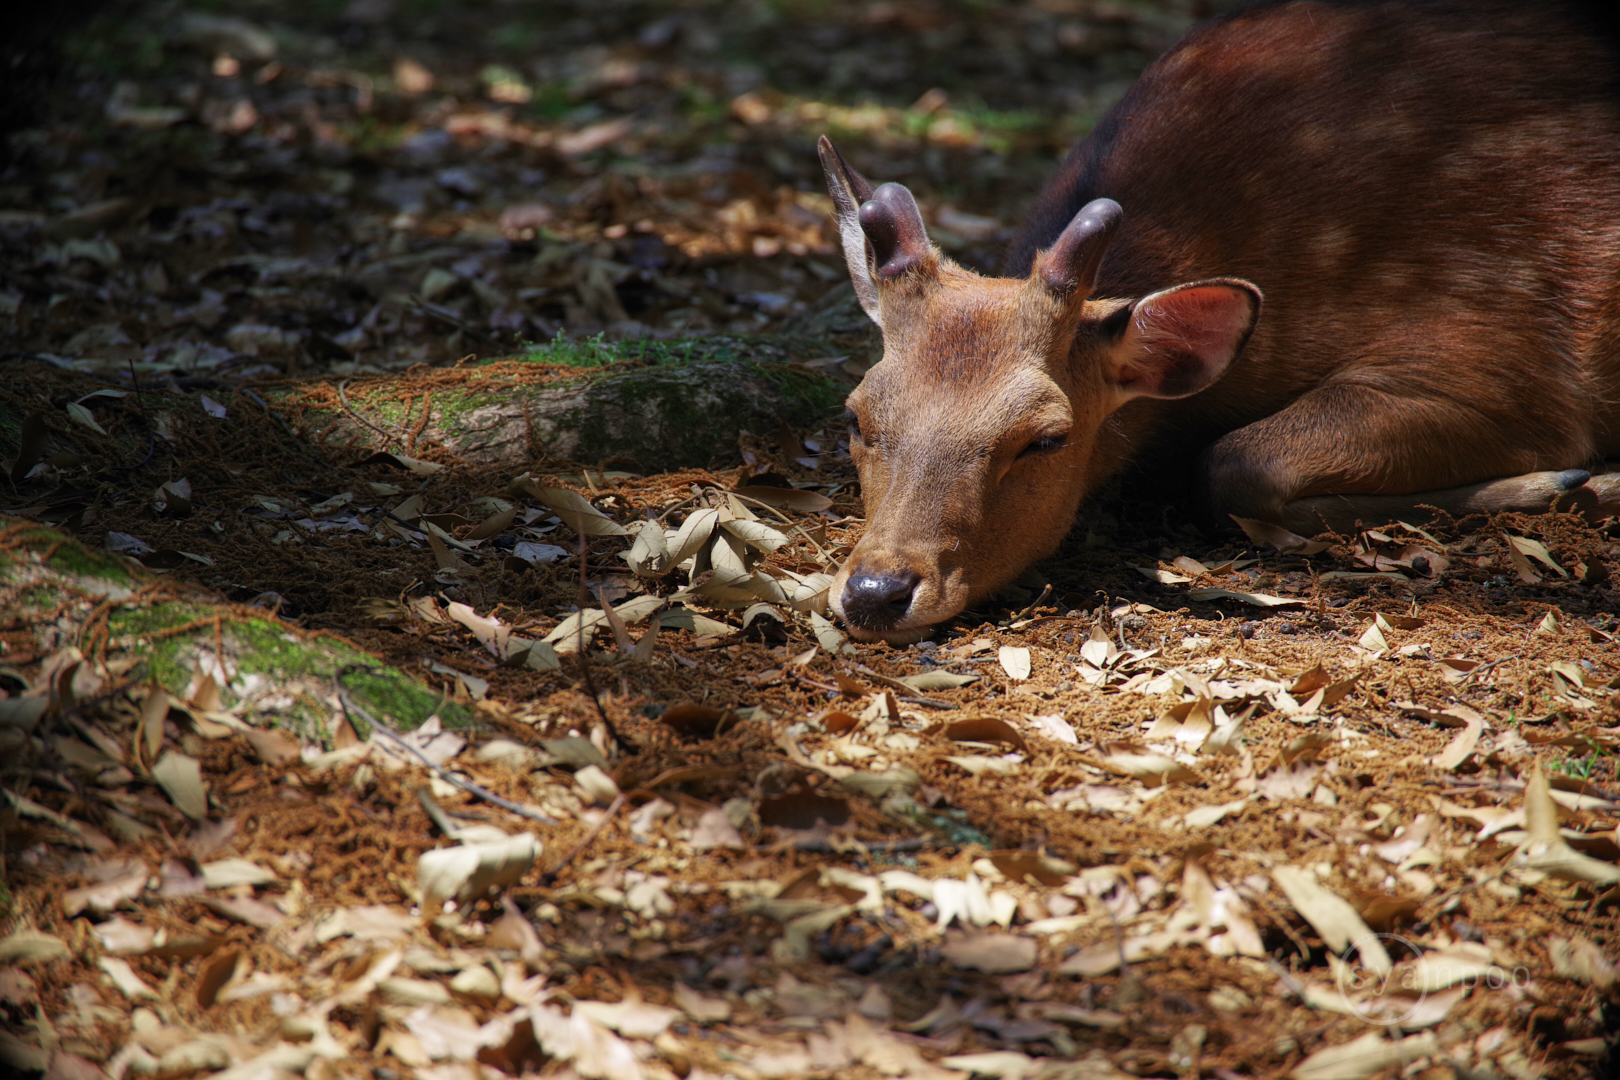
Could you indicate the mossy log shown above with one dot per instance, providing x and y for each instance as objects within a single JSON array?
[
  {"x": 677, "y": 405},
  {"x": 106, "y": 616}
]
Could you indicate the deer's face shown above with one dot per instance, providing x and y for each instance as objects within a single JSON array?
[
  {"x": 972, "y": 438},
  {"x": 976, "y": 436}
]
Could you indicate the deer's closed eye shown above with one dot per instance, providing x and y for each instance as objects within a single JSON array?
[{"x": 1044, "y": 444}]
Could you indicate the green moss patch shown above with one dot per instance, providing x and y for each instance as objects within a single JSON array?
[{"x": 269, "y": 673}]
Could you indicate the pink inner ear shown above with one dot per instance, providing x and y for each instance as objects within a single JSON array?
[{"x": 1181, "y": 340}]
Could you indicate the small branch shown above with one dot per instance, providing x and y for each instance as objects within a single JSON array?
[
  {"x": 584, "y": 658},
  {"x": 1037, "y": 602},
  {"x": 549, "y": 878},
  {"x": 1487, "y": 666},
  {"x": 349, "y": 706},
  {"x": 343, "y": 399}
]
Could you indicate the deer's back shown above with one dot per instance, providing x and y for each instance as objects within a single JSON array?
[{"x": 1427, "y": 193}]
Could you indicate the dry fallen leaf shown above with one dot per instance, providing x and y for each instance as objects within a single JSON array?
[
  {"x": 25, "y": 947},
  {"x": 1362, "y": 1057},
  {"x": 1330, "y": 916},
  {"x": 936, "y": 680},
  {"x": 1152, "y": 769},
  {"x": 1014, "y": 661},
  {"x": 1255, "y": 598},
  {"x": 468, "y": 871},
  {"x": 1460, "y": 747},
  {"x": 1545, "y": 848},
  {"x": 1278, "y": 537},
  {"x": 572, "y": 508},
  {"x": 1536, "y": 550},
  {"x": 989, "y": 951},
  {"x": 180, "y": 777},
  {"x": 985, "y": 729}
]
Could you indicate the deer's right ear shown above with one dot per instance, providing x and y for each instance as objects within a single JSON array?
[
  {"x": 849, "y": 190},
  {"x": 1179, "y": 341}
]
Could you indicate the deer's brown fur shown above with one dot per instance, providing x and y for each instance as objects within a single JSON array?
[{"x": 1427, "y": 196}]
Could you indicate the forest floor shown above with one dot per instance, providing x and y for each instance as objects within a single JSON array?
[{"x": 1176, "y": 804}]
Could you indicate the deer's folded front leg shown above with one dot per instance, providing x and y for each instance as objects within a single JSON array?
[{"x": 1349, "y": 454}]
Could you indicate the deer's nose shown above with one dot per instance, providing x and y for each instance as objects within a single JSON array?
[{"x": 878, "y": 601}]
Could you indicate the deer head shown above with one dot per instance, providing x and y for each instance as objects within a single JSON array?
[{"x": 977, "y": 435}]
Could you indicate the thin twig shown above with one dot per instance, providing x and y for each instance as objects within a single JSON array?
[
  {"x": 1487, "y": 666},
  {"x": 449, "y": 318},
  {"x": 1037, "y": 602},
  {"x": 808, "y": 681},
  {"x": 343, "y": 399},
  {"x": 350, "y": 706},
  {"x": 879, "y": 847},
  {"x": 585, "y": 660},
  {"x": 549, "y": 878},
  {"x": 799, "y": 525},
  {"x": 910, "y": 699},
  {"x": 1288, "y": 980},
  {"x": 668, "y": 510},
  {"x": 785, "y": 519},
  {"x": 758, "y": 502}
]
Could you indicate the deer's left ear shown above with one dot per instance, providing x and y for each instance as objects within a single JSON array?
[
  {"x": 849, "y": 190},
  {"x": 1179, "y": 341}
]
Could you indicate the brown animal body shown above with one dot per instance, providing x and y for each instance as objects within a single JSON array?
[{"x": 1354, "y": 257}]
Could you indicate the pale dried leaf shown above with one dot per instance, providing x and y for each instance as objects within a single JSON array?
[
  {"x": 808, "y": 502},
  {"x": 1536, "y": 550},
  {"x": 469, "y": 871},
  {"x": 1098, "y": 650},
  {"x": 1363, "y": 1057},
  {"x": 1372, "y": 639},
  {"x": 1014, "y": 661},
  {"x": 989, "y": 951},
  {"x": 31, "y": 947},
  {"x": 1055, "y": 727},
  {"x": 650, "y": 556},
  {"x": 577, "y": 513},
  {"x": 1330, "y": 916},
  {"x": 810, "y": 594},
  {"x": 631, "y": 1018},
  {"x": 693, "y": 535},
  {"x": 104, "y": 896},
  {"x": 715, "y": 830},
  {"x": 228, "y": 873},
  {"x": 1003, "y": 1064},
  {"x": 756, "y": 534},
  {"x": 684, "y": 619},
  {"x": 124, "y": 979},
  {"x": 643, "y": 652},
  {"x": 1545, "y": 848},
  {"x": 1262, "y": 532},
  {"x": 1257, "y": 599},
  {"x": 936, "y": 680},
  {"x": 1152, "y": 769},
  {"x": 180, "y": 777},
  {"x": 1462, "y": 745},
  {"x": 84, "y": 417},
  {"x": 827, "y": 635},
  {"x": 1580, "y": 959},
  {"x": 1461, "y": 961},
  {"x": 621, "y": 634}
]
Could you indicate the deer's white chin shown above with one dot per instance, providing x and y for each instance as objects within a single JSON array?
[{"x": 898, "y": 636}]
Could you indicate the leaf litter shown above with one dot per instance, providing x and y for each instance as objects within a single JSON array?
[
  {"x": 1140, "y": 824},
  {"x": 1251, "y": 812}
]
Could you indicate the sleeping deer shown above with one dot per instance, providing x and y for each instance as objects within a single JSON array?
[{"x": 1351, "y": 259}]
